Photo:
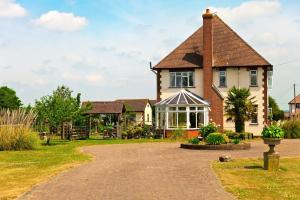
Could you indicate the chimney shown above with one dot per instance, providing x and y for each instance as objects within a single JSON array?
[{"x": 207, "y": 55}]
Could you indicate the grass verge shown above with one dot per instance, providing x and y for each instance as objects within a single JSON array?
[
  {"x": 20, "y": 170},
  {"x": 246, "y": 179}
]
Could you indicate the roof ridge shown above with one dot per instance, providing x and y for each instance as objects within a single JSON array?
[
  {"x": 178, "y": 46},
  {"x": 234, "y": 32}
]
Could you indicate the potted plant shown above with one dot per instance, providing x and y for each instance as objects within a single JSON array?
[{"x": 272, "y": 136}]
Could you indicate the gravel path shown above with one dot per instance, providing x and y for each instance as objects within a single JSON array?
[{"x": 147, "y": 171}]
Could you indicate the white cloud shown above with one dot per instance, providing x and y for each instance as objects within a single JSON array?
[
  {"x": 10, "y": 9},
  {"x": 94, "y": 79},
  {"x": 248, "y": 11},
  {"x": 60, "y": 21}
]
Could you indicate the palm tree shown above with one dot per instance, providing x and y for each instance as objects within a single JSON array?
[{"x": 239, "y": 107}]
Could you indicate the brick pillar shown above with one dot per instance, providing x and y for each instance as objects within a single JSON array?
[{"x": 210, "y": 94}]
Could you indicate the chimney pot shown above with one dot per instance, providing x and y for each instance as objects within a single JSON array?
[{"x": 207, "y": 11}]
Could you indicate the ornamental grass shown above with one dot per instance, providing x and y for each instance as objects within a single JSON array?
[{"x": 16, "y": 130}]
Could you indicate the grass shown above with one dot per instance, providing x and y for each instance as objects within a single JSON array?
[
  {"x": 246, "y": 179},
  {"x": 20, "y": 170}
]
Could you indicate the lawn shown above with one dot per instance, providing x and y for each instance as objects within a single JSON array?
[
  {"x": 246, "y": 179},
  {"x": 20, "y": 170}
]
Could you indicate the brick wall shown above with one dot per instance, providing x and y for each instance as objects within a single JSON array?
[{"x": 209, "y": 93}]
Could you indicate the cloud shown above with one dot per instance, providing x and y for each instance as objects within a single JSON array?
[
  {"x": 94, "y": 79},
  {"x": 11, "y": 9},
  {"x": 60, "y": 21},
  {"x": 248, "y": 11}
]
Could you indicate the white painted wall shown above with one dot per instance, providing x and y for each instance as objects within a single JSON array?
[
  {"x": 166, "y": 91},
  {"x": 148, "y": 111},
  {"x": 241, "y": 78}
]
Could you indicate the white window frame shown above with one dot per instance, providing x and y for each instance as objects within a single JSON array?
[
  {"x": 251, "y": 121},
  {"x": 256, "y": 78},
  {"x": 181, "y": 75},
  {"x": 270, "y": 79},
  {"x": 222, "y": 75}
]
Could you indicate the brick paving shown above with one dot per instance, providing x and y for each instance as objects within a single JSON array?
[{"x": 147, "y": 171}]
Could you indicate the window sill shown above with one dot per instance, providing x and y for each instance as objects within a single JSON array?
[
  {"x": 222, "y": 86},
  {"x": 253, "y": 86},
  {"x": 253, "y": 124},
  {"x": 182, "y": 87}
]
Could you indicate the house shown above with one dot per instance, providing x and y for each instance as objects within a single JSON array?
[
  {"x": 193, "y": 80},
  {"x": 142, "y": 109},
  {"x": 294, "y": 108}
]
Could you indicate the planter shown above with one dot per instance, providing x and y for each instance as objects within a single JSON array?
[
  {"x": 272, "y": 142},
  {"x": 271, "y": 157},
  {"x": 241, "y": 146}
]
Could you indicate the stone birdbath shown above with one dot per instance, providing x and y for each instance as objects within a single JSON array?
[{"x": 272, "y": 136}]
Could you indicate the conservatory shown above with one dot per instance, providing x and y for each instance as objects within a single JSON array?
[{"x": 184, "y": 110}]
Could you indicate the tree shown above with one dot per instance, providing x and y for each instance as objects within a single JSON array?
[
  {"x": 277, "y": 113},
  {"x": 239, "y": 107},
  {"x": 8, "y": 98},
  {"x": 60, "y": 107}
]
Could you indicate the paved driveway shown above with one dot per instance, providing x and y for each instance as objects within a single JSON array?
[{"x": 147, "y": 171}]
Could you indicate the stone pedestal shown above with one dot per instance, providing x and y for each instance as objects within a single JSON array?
[{"x": 271, "y": 161}]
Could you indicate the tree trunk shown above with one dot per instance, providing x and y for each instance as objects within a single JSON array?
[{"x": 239, "y": 125}]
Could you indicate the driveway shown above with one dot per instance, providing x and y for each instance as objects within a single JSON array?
[{"x": 147, "y": 171}]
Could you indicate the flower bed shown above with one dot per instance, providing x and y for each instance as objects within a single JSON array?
[{"x": 229, "y": 146}]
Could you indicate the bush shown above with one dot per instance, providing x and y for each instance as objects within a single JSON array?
[
  {"x": 231, "y": 134},
  {"x": 15, "y": 130},
  {"x": 194, "y": 141},
  {"x": 217, "y": 138},
  {"x": 236, "y": 140},
  {"x": 272, "y": 131},
  {"x": 206, "y": 130},
  {"x": 291, "y": 128}
]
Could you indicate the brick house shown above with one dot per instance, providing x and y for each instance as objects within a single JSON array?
[
  {"x": 193, "y": 80},
  {"x": 294, "y": 108}
]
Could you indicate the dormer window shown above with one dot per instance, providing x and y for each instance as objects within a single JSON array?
[
  {"x": 182, "y": 79},
  {"x": 253, "y": 78}
]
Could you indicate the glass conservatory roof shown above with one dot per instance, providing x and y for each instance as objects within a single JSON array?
[{"x": 184, "y": 97}]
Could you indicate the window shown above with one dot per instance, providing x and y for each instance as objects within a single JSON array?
[
  {"x": 222, "y": 78},
  {"x": 253, "y": 77},
  {"x": 186, "y": 117},
  {"x": 148, "y": 118},
  {"x": 181, "y": 79},
  {"x": 270, "y": 79},
  {"x": 254, "y": 119},
  {"x": 298, "y": 105}
]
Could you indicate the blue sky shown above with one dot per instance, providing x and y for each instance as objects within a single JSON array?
[{"x": 103, "y": 48}]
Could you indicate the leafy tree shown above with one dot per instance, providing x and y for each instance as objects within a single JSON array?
[
  {"x": 277, "y": 113},
  {"x": 8, "y": 98},
  {"x": 239, "y": 107},
  {"x": 60, "y": 107}
]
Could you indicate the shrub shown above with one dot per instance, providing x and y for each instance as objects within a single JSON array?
[
  {"x": 236, "y": 140},
  {"x": 231, "y": 134},
  {"x": 194, "y": 141},
  {"x": 206, "y": 130},
  {"x": 15, "y": 130},
  {"x": 272, "y": 131},
  {"x": 291, "y": 128},
  {"x": 216, "y": 138}
]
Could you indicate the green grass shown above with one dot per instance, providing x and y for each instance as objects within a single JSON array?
[
  {"x": 246, "y": 179},
  {"x": 20, "y": 170}
]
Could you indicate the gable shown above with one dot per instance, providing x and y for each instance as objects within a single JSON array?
[{"x": 229, "y": 49}]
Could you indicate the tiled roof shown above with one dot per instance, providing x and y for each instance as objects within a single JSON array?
[
  {"x": 105, "y": 107},
  {"x": 295, "y": 100},
  {"x": 229, "y": 49},
  {"x": 135, "y": 105}
]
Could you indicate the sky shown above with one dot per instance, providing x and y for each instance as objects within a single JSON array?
[{"x": 102, "y": 49}]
